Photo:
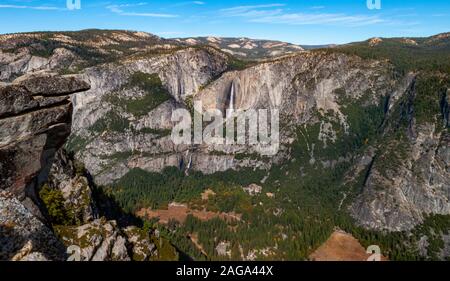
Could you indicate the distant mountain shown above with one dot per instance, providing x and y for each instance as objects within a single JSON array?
[
  {"x": 407, "y": 53},
  {"x": 246, "y": 48},
  {"x": 437, "y": 42},
  {"x": 312, "y": 47}
]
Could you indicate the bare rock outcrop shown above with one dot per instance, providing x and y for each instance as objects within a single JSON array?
[
  {"x": 102, "y": 240},
  {"x": 35, "y": 118},
  {"x": 23, "y": 236},
  {"x": 68, "y": 176},
  {"x": 409, "y": 176}
]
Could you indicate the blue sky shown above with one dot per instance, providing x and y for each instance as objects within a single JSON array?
[{"x": 296, "y": 21}]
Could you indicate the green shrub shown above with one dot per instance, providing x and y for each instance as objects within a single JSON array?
[
  {"x": 54, "y": 203},
  {"x": 112, "y": 122},
  {"x": 155, "y": 94},
  {"x": 76, "y": 143}
]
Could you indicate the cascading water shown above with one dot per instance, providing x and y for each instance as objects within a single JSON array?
[
  {"x": 189, "y": 165},
  {"x": 231, "y": 105},
  {"x": 190, "y": 162}
]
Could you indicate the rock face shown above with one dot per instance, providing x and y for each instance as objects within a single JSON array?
[
  {"x": 409, "y": 177},
  {"x": 102, "y": 240},
  {"x": 301, "y": 85},
  {"x": 67, "y": 176},
  {"x": 398, "y": 199},
  {"x": 23, "y": 236},
  {"x": 35, "y": 119},
  {"x": 143, "y": 142},
  {"x": 181, "y": 73},
  {"x": 94, "y": 238}
]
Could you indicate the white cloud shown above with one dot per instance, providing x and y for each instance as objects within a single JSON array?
[
  {"x": 259, "y": 13},
  {"x": 323, "y": 19},
  {"x": 42, "y": 8},
  {"x": 274, "y": 13},
  {"x": 239, "y": 10},
  {"x": 189, "y": 3},
  {"x": 117, "y": 9}
]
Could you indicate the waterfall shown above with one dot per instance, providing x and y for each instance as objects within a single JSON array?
[
  {"x": 190, "y": 162},
  {"x": 189, "y": 165},
  {"x": 231, "y": 105}
]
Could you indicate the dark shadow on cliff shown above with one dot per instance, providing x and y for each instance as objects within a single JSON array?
[
  {"x": 13, "y": 240},
  {"x": 107, "y": 205}
]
